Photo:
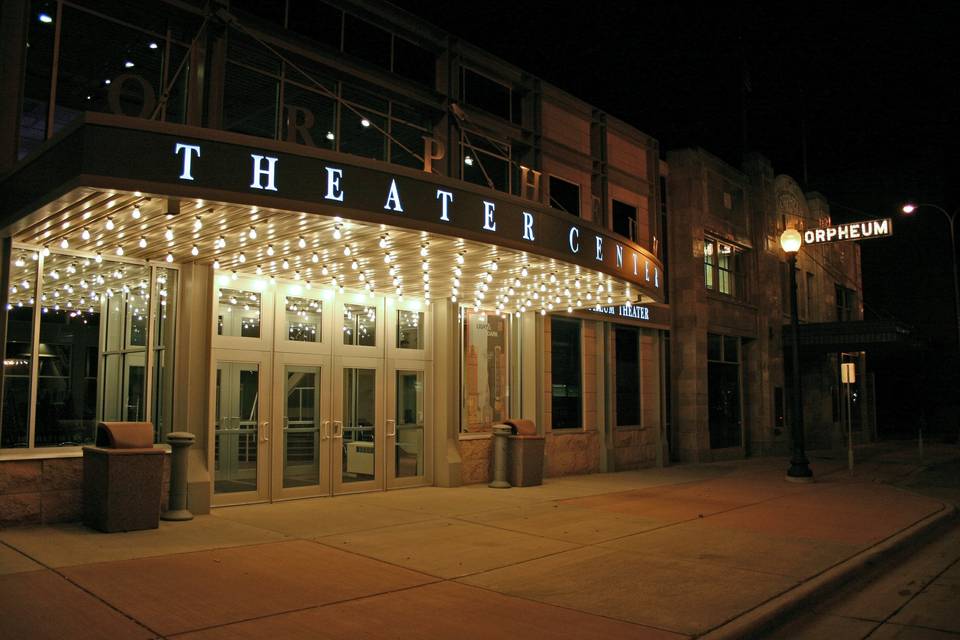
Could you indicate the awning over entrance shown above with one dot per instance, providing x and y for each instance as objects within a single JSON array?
[
  {"x": 862, "y": 335},
  {"x": 119, "y": 186}
]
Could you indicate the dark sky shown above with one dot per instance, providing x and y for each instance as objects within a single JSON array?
[{"x": 875, "y": 86}]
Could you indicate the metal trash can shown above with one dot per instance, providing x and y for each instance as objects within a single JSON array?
[
  {"x": 526, "y": 454},
  {"x": 122, "y": 478}
]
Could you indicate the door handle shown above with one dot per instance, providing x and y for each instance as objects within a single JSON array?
[
  {"x": 325, "y": 430},
  {"x": 391, "y": 433},
  {"x": 337, "y": 429},
  {"x": 264, "y": 431}
]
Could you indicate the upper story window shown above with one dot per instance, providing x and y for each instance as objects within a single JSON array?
[
  {"x": 723, "y": 268},
  {"x": 624, "y": 219},
  {"x": 485, "y": 161},
  {"x": 479, "y": 91},
  {"x": 846, "y": 300},
  {"x": 565, "y": 195}
]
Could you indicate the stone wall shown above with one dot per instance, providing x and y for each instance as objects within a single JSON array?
[
  {"x": 476, "y": 464},
  {"x": 47, "y": 491}
]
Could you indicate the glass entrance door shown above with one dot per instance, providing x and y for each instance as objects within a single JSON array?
[
  {"x": 301, "y": 456},
  {"x": 358, "y": 433},
  {"x": 407, "y": 441},
  {"x": 241, "y": 435}
]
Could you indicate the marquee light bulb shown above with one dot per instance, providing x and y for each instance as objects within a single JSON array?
[
  {"x": 109, "y": 224},
  {"x": 324, "y": 271},
  {"x": 346, "y": 250},
  {"x": 99, "y": 258},
  {"x": 197, "y": 223},
  {"x": 168, "y": 234},
  {"x": 270, "y": 250},
  {"x": 315, "y": 258},
  {"x": 252, "y": 234},
  {"x": 216, "y": 263},
  {"x": 301, "y": 243},
  {"x": 285, "y": 264},
  {"x": 259, "y": 270},
  {"x": 143, "y": 242},
  {"x": 383, "y": 242},
  {"x": 387, "y": 258},
  {"x": 494, "y": 266},
  {"x": 169, "y": 257},
  {"x": 194, "y": 250},
  {"x": 243, "y": 258},
  {"x": 354, "y": 265},
  {"x": 119, "y": 250},
  {"x": 336, "y": 232},
  {"x": 423, "y": 250},
  {"x": 460, "y": 259},
  {"x": 136, "y": 212},
  {"x": 524, "y": 272},
  {"x": 64, "y": 244}
]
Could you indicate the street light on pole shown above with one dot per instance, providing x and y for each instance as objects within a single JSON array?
[
  {"x": 799, "y": 471},
  {"x": 909, "y": 208}
]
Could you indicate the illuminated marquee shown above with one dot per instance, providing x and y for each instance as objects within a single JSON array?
[{"x": 850, "y": 231}]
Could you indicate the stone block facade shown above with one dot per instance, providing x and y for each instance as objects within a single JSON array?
[{"x": 48, "y": 491}]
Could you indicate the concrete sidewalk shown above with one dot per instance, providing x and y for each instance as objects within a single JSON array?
[{"x": 675, "y": 552}]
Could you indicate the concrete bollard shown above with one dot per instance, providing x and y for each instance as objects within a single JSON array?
[
  {"x": 500, "y": 435},
  {"x": 179, "y": 442}
]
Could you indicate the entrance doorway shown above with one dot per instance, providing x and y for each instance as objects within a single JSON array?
[{"x": 316, "y": 393}]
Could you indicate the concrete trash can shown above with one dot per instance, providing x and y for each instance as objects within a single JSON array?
[
  {"x": 122, "y": 478},
  {"x": 526, "y": 454}
]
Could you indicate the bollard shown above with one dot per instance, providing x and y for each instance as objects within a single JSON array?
[
  {"x": 500, "y": 434},
  {"x": 179, "y": 442}
]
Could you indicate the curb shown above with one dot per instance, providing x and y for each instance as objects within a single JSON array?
[{"x": 754, "y": 622}]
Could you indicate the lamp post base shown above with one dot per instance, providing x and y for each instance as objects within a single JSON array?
[{"x": 799, "y": 471}]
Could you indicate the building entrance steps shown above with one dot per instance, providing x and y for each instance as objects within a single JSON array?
[{"x": 676, "y": 552}]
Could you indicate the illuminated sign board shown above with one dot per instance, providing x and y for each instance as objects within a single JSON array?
[
  {"x": 110, "y": 152},
  {"x": 850, "y": 231},
  {"x": 634, "y": 312}
]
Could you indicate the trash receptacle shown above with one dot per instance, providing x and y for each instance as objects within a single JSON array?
[
  {"x": 526, "y": 454},
  {"x": 122, "y": 478}
]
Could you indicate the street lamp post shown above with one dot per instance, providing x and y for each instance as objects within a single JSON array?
[
  {"x": 799, "y": 471},
  {"x": 951, "y": 219}
]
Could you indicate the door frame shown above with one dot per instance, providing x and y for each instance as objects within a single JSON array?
[
  {"x": 336, "y": 440},
  {"x": 390, "y": 377},
  {"x": 323, "y": 488},
  {"x": 262, "y": 360}
]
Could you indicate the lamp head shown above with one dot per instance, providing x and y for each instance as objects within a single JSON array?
[
  {"x": 790, "y": 240},
  {"x": 909, "y": 207}
]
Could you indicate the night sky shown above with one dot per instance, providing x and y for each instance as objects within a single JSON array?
[{"x": 873, "y": 88}]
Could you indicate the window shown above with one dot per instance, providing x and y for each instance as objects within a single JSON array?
[
  {"x": 564, "y": 195},
  {"x": 625, "y": 219},
  {"x": 484, "y": 395},
  {"x": 366, "y": 41},
  {"x": 85, "y": 355},
  {"x": 359, "y": 325},
  {"x": 480, "y": 91},
  {"x": 627, "y": 372},
  {"x": 723, "y": 268},
  {"x": 723, "y": 390},
  {"x": 409, "y": 329},
  {"x": 846, "y": 300},
  {"x": 485, "y": 162},
  {"x": 566, "y": 402}
]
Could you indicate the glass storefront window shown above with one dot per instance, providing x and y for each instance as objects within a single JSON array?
[
  {"x": 484, "y": 396},
  {"x": 165, "y": 289},
  {"x": 359, "y": 325},
  {"x": 409, "y": 329},
  {"x": 627, "y": 354},
  {"x": 238, "y": 313},
  {"x": 18, "y": 359},
  {"x": 303, "y": 319},
  {"x": 566, "y": 379}
]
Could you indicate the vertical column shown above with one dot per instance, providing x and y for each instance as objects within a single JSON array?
[{"x": 446, "y": 393}]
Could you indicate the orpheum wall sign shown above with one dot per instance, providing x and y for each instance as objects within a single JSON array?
[
  {"x": 850, "y": 231},
  {"x": 191, "y": 162}
]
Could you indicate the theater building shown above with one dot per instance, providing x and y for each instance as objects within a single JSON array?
[
  {"x": 333, "y": 242},
  {"x": 729, "y": 288}
]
